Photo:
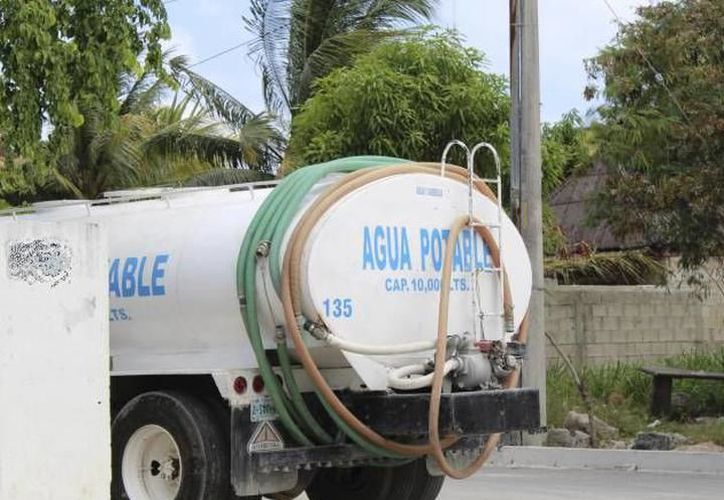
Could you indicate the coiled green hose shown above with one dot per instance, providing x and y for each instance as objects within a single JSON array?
[{"x": 269, "y": 225}]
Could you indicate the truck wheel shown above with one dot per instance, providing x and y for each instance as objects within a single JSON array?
[
  {"x": 360, "y": 483},
  {"x": 167, "y": 446},
  {"x": 424, "y": 485}
]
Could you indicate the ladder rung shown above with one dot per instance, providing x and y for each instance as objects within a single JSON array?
[
  {"x": 491, "y": 181},
  {"x": 490, "y": 270},
  {"x": 494, "y": 225}
]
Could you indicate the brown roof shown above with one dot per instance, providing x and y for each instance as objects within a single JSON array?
[{"x": 570, "y": 204}]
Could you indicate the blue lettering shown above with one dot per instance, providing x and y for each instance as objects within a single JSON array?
[
  {"x": 380, "y": 257},
  {"x": 128, "y": 280},
  {"x": 113, "y": 285},
  {"x": 393, "y": 248},
  {"x": 158, "y": 273},
  {"x": 367, "y": 258},
  {"x": 143, "y": 290},
  {"x": 436, "y": 250},
  {"x": 405, "y": 261},
  {"x": 479, "y": 264},
  {"x": 424, "y": 247},
  {"x": 487, "y": 257},
  {"x": 458, "y": 256},
  {"x": 467, "y": 249}
]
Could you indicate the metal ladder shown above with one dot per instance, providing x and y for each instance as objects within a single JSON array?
[{"x": 498, "y": 226}]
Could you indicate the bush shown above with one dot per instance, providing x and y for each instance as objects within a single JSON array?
[{"x": 622, "y": 393}]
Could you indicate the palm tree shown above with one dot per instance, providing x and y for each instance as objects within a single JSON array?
[
  {"x": 202, "y": 129},
  {"x": 298, "y": 41}
]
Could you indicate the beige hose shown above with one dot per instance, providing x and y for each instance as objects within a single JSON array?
[
  {"x": 441, "y": 348},
  {"x": 291, "y": 279}
]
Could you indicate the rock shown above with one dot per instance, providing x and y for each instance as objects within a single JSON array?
[
  {"x": 683, "y": 405},
  {"x": 579, "y": 422},
  {"x": 581, "y": 440},
  {"x": 658, "y": 441},
  {"x": 563, "y": 438}
]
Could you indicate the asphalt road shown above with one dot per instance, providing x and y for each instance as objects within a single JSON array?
[{"x": 564, "y": 484}]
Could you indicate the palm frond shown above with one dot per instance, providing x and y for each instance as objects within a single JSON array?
[
  {"x": 607, "y": 268},
  {"x": 297, "y": 41},
  {"x": 270, "y": 22},
  {"x": 226, "y": 176}
]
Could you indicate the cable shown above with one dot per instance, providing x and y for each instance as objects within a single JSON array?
[{"x": 219, "y": 54}]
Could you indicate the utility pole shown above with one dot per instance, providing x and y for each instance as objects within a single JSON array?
[{"x": 526, "y": 178}]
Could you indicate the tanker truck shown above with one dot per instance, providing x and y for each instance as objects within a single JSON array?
[{"x": 354, "y": 331}]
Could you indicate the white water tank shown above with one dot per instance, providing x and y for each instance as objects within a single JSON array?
[{"x": 371, "y": 271}]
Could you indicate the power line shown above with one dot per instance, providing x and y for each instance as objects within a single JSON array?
[{"x": 219, "y": 54}]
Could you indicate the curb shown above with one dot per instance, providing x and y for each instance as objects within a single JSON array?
[{"x": 621, "y": 460}]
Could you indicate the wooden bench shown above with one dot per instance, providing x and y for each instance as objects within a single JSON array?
[{"x": 663, "y": 381}]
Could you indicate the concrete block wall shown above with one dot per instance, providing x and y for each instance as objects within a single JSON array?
[{"x": 597, "y": 324}]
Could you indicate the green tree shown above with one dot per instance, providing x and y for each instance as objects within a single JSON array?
[
  {"x": 146, "y": 143},
  {"x": 406, "y": 98},
  {"x": 566, "y": 149},
  {"x": 298, "y": 41},
  {"x": 662, "y": 127},
  {"x": 62, "y": 57}
]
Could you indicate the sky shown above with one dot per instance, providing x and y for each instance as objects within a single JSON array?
[{"x": 569, "y": 32}]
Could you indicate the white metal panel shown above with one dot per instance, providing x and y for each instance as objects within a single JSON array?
[{"x": 54, "y": 380}]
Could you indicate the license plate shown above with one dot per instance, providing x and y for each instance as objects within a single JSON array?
[{"x": 262, "y": 409}]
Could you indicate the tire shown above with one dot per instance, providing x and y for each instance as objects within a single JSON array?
[
  {"x": 424, "y": 485},
  {"x": 361, "y": 483},
  {"x": 173, "y": 443}
]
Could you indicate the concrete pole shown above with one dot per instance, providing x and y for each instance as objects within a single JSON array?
[
  {"x": 515, "y": 115},
  {"x": 526, "y": 110}
]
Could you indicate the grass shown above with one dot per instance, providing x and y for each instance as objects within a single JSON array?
[{"x": 621, "y": 395}]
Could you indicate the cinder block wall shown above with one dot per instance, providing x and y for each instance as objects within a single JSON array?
[{"x": 597, "y": 324}]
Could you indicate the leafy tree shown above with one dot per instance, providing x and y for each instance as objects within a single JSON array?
[
  {"x": 60, "y": 58},
  {"x": 145, "y": 143},
  {"x": 298, "y": 41},
  {"x": 662, "y": 127},
  {"x": 406, "y": 98},
  {"x": 566, "y": 149}
]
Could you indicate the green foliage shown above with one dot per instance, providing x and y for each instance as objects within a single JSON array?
[
  {"x": 554, "y": 241},
  {"x": 662, "y": 129},
  {"x": 144, "y": 143},
  {"x": 225, "y": 176},
  {"x": 606, "y": 268},
  {"x": 298, "y": 41},
  {"x": 60, "y": 58},
  {"x": 565, "y": 149},
  {"x": 407, "y": 98},
  {"x": 622, "y": 394}
]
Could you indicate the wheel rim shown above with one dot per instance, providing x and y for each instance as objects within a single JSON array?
[{"x": 151, "y": 465}]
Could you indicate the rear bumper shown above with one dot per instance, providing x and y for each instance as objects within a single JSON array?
[
  {"x": 462, "y": 413},
  {"x": 472, "y": 415}
]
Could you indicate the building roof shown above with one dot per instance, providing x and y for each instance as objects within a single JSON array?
[{"x": 570, "y": 204}]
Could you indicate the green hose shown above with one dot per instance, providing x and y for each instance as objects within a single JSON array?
[{"x": 270, "y": 224}]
